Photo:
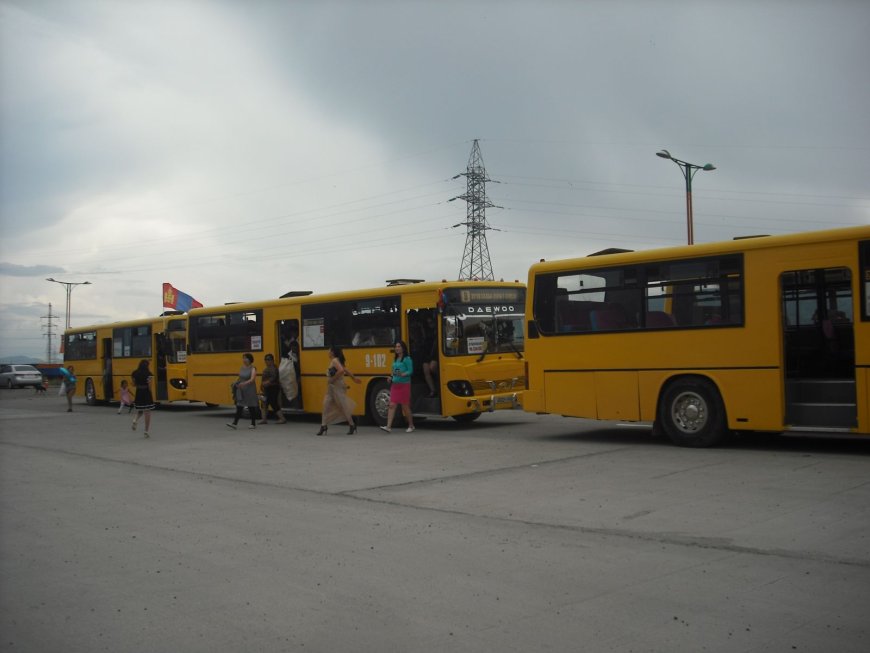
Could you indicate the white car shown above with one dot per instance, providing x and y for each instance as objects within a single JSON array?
[{"x": 17, "y": 376}]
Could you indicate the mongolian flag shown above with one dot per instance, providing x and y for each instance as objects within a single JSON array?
[{"x": 174, "y": 298}]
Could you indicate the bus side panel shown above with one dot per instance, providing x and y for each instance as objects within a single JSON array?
[
  {"x": 616, "y": 396},
  {"x": 176, "y": 375},
  {"x": 862, "y": 379},
  {"x": 570, "y": 393},
  {"x": 753, "y": 399},
  {"x": 313, "y": 388},
  {"x": 862, "y": 357}
]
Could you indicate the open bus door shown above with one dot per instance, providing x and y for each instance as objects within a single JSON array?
[
  {"x": 819, "y": 344},
  {"x": 162, "y": 346},
  {"x": 423, "y": 348},
  {"x": 108, "y": 377}
]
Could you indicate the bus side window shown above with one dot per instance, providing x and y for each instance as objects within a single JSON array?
[
  {"x": 607, "y": 319},
  {"x": 574, "y": 316},
  {"x": 659, "y": 320}
]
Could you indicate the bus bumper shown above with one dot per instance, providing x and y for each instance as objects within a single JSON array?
[{"x": 496, "y": 402}]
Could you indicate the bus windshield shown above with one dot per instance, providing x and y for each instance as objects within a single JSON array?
[{"x": 483, "y": 321}]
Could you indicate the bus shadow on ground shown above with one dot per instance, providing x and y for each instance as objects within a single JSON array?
[
  {"x": 810, "y": 443},
  {"x": 754, "y": 441}
]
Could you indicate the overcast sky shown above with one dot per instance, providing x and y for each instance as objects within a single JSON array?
[{"x": 242, "y": 149}]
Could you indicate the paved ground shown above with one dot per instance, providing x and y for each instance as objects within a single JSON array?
[{"x": 516, "y": 533}]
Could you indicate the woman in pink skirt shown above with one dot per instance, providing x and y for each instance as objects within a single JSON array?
[{"x": 400, "y": 389}]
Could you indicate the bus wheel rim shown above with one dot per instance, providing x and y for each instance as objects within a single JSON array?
[
  {"x": 689, "y": 412},
  {"x": 382, "y": 403}
]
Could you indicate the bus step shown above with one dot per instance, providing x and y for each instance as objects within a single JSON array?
[
  {"x": 832, "y": 415},
  {"x": 821, "y": 391}
]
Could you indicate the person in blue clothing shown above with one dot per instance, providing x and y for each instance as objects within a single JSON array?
[
  {"x": 69, "y": 384},
  {"x": 400, "y": 388}
]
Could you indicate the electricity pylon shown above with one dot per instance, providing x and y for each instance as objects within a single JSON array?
[
  {"x": 49, "y": 332},
  {"x": 475, "y": 258}
]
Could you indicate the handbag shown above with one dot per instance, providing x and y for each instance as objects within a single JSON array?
[{"x": 62, "y": 391}]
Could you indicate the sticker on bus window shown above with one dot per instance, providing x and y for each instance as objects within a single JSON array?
[
  {"x": 312, "y": 333},
  {"x": 475, "y": 345},
  {"x": 181, "y": 356},
  {"x": 256, "y": 343}
]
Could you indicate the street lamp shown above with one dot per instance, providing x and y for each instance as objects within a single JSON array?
[
  {"x": 688, "y": 170},
  {"x": 69, "y": 288}
]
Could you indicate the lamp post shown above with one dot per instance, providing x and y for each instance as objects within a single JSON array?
[
  {"x": 69, "y": 288},
  {"x": 688, "y": 170}
]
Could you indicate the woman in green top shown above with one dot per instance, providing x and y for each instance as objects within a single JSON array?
[{"x": 400, "y": 389}]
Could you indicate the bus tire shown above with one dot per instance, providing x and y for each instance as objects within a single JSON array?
[
  {"x": 379, "y": 402},
  {"x": 691, "y": 413},
  {"x": 90, "y": 393},
  {"x": 466, "y": 418}
]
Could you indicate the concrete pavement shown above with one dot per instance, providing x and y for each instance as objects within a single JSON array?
[{"x": 515, "y": 533}]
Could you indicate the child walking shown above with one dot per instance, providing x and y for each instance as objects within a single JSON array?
[{"x": 126, "y": 398}]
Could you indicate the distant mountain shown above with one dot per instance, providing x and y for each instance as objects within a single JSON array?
[{"x": 21, "y": 360}]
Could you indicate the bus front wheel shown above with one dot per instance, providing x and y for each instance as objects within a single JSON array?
[
  {"x": 90, "y": 393},
  {"x": 691, "y": 413},
  {"x": 465, "y": 418},
  {"x": 379, "y": 402}
]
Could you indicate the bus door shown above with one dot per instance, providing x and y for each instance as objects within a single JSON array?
[
  {"x": 287, "y": 360},
  {"x": 423, "y": 349},
  {"x": 819, "y": 348},
  {"x": 162, "y": 346},
  {"x": 108, "y": 391}
]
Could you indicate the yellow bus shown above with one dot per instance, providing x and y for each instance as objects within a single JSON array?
[
  {"x": 105, "y": 354},
  {"x": 769, "y": 333},
  {"x": 473, "y": 329}
]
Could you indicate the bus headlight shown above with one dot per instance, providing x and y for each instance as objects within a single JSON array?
[
  {"x": 460, "y": 388},
  {"x": 178, "y": 384}
]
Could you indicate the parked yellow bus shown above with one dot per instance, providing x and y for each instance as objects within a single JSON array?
[
  {"x": 478, "y": 328},
  {"x": 770, "y": 333},
  {"x": 105, "y": 354}
]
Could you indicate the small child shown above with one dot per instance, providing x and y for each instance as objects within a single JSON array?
[{"x": 126, "y": 398}]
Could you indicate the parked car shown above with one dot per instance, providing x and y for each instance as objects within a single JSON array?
[{"x": 17, "y": 376}]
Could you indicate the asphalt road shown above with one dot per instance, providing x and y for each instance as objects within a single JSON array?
[{"x": 515, "y": 533}]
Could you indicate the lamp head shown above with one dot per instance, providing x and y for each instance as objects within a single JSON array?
[
  {"x": 664, "y": 154},
  {"x": 709, "y": 166}
]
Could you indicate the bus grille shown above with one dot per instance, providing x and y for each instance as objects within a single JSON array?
[{"x": 513, "y": 384}]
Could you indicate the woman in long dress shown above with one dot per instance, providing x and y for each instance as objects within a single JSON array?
[
  {"x": 143, "y": 401},
  {"x": 337, "y": 406},
  {"x": 245, "y": 392}
]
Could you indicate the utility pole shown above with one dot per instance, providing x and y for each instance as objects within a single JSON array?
[
  {"x": 49, "y": 332},
  {"x": 69, "y": 285},
  {"x": 688, "y": 170},
  {"x": 475, "y": 258}
]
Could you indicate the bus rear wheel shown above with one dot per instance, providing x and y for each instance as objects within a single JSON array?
[
  {"x": 691, "y": 413},
  {"x": 90, "y": 393},
  {"x": 379, "y": 402}
]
